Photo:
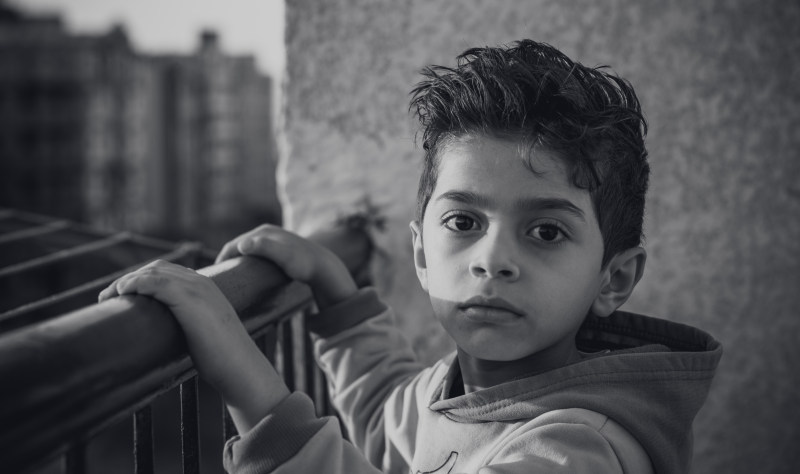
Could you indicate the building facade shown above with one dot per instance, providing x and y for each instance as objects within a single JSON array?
[{"x": 179, "y": 146}]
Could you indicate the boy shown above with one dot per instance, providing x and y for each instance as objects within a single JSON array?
[{"x": 527, "y": 240}]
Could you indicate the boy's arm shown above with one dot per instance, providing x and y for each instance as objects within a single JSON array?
[
  {"x": 271, "y": 420},
  {"x": 222, "y": 351},
  {"x": 362, "y": 352},
  {"x": 371, "y": 371}
]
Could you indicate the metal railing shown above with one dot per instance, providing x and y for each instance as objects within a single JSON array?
[{"x": 67, "y": 378}]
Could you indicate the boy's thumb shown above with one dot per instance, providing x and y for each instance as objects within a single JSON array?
[{"x": 245, "y": 246}]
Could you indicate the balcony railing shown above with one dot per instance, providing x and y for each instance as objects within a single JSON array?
[{"x": 66, "y": 378}]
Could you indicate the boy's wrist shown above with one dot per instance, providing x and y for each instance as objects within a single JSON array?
[{"x": 255, "y": 394}]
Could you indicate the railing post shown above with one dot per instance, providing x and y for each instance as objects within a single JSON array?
[
  {"x": 75, "y": 459},
  {"x": 190, "y": 428},
  {"x": 286, "y": 367},
  {"x": 228, "y": 428},
  {"x": 316, "y": 386},
  {"x": 143, "y": 441}
]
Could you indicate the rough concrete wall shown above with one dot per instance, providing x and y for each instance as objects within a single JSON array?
[{"x": 718, "y": 82}]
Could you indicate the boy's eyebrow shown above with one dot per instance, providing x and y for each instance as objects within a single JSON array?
[
  {"x": 524, "y": 204},
  {"x": 465, "y": 197}
]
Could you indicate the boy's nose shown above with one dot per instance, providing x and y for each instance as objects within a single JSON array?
[{"x": 494, "y": 259}]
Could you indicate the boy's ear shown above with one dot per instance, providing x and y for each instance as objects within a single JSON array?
[
  {"x": 620, "y": 277},
  {"x": 419, "y": 254}
]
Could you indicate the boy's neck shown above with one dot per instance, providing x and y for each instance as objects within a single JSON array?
[{"x": 479, "y": 374}]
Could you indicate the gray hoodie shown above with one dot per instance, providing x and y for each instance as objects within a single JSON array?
[{"x": 627, "y": 407}]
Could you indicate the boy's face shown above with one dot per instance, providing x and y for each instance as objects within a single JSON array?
[{"x": 511, "y": 259}]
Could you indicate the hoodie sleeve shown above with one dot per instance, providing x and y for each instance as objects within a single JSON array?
[
  {"x": 367, "y": 361},
  {"x": 292, "y": 439}
]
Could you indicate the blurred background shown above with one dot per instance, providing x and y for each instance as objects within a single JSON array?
[
  {"x": 105, "y": 121},
  {"x": 143, "y": 116}
]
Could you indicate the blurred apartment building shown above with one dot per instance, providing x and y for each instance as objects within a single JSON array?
[{"x": 177, "y": 146}]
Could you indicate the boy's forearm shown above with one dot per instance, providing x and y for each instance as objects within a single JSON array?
[
  {"x": 256, "y": 388},
  {"x": 256, "y": 391},
  {"x": 243, "y": 376},
  {"x": 229, "y": 360}
]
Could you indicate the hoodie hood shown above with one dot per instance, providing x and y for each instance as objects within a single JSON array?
[{"x": 649, "y": 375}]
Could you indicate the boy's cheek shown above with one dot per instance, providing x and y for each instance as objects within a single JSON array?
[{"x": 441, "y": 309}]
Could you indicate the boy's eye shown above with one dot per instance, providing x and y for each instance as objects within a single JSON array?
[
  {"x": 548, "y": 233},
  {"x": 460, "y": 223}
]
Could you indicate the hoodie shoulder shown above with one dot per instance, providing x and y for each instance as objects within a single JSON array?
[{"x": 574, "y": 440}]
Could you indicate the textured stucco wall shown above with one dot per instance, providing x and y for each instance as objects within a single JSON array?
[{"x": 719, "y": 84}]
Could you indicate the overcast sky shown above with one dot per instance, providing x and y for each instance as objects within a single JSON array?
[{"x": 156, "y": 26}]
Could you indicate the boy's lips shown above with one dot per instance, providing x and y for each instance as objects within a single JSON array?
[{"x": 489, "y": 309}]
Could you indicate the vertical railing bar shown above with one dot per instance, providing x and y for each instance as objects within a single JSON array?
[
  {"x": 267, "y": 342},
  {"x": 312, "y": 381},
  {"x": 278, "y": 361},
  {"x": 287, "y": 350},
  {"x": 317, "y": 387},
  {"x": 190, "y": 427},
  {"x": 308, "y": 354},
  {"x": 299, "y": 353},
  {"x": 75, "y": 459},
  {"x": 143, "y": 441},
  {"x": 228, "y": 428}
]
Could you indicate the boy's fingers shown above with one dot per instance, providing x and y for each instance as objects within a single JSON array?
[
  {"x": 127, "y": 284},
  {"x": 229, "y": 250},
  {"x": 109, "y": 292},
  {"x": 153, "y": 275},
  {"x": 262, "y": 246},
  {"x": 248, "y": 246},
  {"x": 234, "y": 247},
  {"x": 158, "y": 284},
  {"x": 112, "y": 290}
]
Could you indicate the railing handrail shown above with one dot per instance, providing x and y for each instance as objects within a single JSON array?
[{"x": 64, "y": 379}]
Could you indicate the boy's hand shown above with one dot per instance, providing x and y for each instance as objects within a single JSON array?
[
  {"x": 300, "y": 258},
  {"x": 222, "y": 351}
]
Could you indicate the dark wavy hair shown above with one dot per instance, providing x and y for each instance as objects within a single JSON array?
[{"x": 532, "y": 92}]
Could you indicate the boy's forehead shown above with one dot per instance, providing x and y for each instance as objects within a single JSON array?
[
  {"x": 483, "y": 159},
  {"x": 492, "y": 172}
]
